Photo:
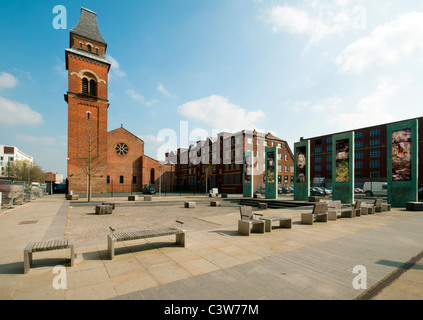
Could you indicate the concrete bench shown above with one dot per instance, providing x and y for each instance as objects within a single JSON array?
[
  {"x": 145, "y": 234},
  {"x": 148, "y": 198},
  {"x": 257, "y": 195},
  {"x": 48, "y": 245},
  {"x": 215, "y": 203},
  {"x": 313, "y": 199},
  {"x": 132, "y": 198},
  {"x": 262, "y": 205},
  {"x": 110, "y": 204},
  {"x": 72, "y": 197},
  {"x": 103, "y": 209},
  {"x": 224, "y": 195},
  {"x": 319, "y": 214},
  {"x": 284, "y": 222},
  {"x": 414, "y": 206},
  {"x": 189, "y": 204},
  {"x": 335, "y": 208},
  {"x": 248, "y": 223}
]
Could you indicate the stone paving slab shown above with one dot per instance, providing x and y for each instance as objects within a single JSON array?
[{"x": 305, "y": 262}]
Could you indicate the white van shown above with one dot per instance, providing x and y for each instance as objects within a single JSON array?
[{"x": 375, "y": 188}]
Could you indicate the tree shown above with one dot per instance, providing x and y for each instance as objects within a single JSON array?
[
  {"x": 24, "y": 170},
  {"x": 92, "y": 161}
]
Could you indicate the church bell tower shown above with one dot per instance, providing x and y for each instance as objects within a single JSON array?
[{"x": 88, "y": 102}]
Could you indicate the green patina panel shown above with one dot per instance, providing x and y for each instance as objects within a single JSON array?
[
  {"x": 402, "y": 162},
  {"x": 302, "y": 170},
  {"x": 248, "y": 175},
  {"x": 343, "y": 167},
  {"x": 272, "y": 173}
]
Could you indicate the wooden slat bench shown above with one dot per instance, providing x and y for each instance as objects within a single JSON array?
[
  {"x": 48, "y": 245},
  {"x": 144, "y": 234},
  {"x": 248, "y": 223}
]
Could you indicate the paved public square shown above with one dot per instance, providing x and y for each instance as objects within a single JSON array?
[{"x": 306, "y": 262}]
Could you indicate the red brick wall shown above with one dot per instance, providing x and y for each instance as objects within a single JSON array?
[{"x": 129, "y": 165}]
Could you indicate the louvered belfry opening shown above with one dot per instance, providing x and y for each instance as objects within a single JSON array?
[
  {"x": 93, "y": 88},
  {"x": 85, "y": 85}
]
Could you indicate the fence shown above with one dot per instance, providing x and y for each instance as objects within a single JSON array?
[{"x": 18, "y": 192}]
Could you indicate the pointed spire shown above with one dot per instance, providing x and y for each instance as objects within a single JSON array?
[{"x": 87, "y": 27}]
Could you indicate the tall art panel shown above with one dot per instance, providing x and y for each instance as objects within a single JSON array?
[
  {"x": 248, "y": 175},
  {"x": 343, "y": 167},
  {"x": 402, "y": 163},
  {"x": 302, "y": 170},
  {"x": 272, "y": 173}
]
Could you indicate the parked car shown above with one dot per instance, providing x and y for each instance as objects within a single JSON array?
[
  {"x": 148, "y": 189},
  {"x": 261, "y": 190},
  {"x": 314, "y": 191},
  {"x": 375, "y": 188},
  {"x": 358, "y": 190}
]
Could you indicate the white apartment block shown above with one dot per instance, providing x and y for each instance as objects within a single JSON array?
[{"x": 11, "y": 153}]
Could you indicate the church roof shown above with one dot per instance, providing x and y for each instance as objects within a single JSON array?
[{"x": 87, "y": 26}]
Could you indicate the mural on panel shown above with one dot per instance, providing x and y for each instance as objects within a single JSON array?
[
  {"x": 343, "y": 168},
  {"x": 248, "y": 178},
  {"x": 401, "y": 155},
  {"x": 402, "y": 163},
  {"x": 302, "y": 171},
  {"x": 342, "y": 160},
  {"x": 271, "y": 173}
]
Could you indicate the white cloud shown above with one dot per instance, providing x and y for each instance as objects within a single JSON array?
[
  {"x": 318, "y": 19},
  {"x": 14, "y": 113},
  {"x": 115, "y": 67},
  {"x": 42, "y": 141},
  {"x": 140, "y": 98},
  {"x": 219, "y": 113},
  {"x": 60, "y": 68},
  {"x": 7, "y": 80},
  {"x": 385, "y": 45},
  {"x": 162, "y": 89}
]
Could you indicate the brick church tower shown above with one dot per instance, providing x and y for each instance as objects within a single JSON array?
[{"x": 88, "y": 102}]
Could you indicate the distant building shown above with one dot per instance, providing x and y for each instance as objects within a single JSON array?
[
  {"x": 370, "y": 155},
  {"x": 218, "y": 162},
  {"x": 9, "y": 154}
]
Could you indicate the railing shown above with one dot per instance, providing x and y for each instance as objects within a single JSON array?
[{"x": 18, "y": 192}]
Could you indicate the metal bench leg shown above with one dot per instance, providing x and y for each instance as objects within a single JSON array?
[{"x": 111, "y": 246}]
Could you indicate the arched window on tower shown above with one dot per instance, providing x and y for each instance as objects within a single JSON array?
[
  {"x": 152, "y": 176},
  {"x": 93, "y": 87},
  {"x": 85, "y": 85}
]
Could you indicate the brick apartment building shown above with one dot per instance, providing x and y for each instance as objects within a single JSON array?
[
  {"x": 115, "y": 159},
  {"x": 370, "y": 155},
  {"x": 218, "y": 162}
]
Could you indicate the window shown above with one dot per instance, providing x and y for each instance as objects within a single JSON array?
[
  {"x": 249, "y": 140},
  {"x": 359, "y": 164},
  {"x": 96, "y": 50},
  {"x": 374, "y": 164},
  {"x": 85, "y": 85},
  {"x": 88, "y": 115},
  {"x": 329, "y": 149},
  {"x": 329, "y": 140},
  {"x": 89, "y": 48},
  {"x": 318, "y": 168},
  {"x": 80, "y": 45},
  {"x": 358, "y": 135},
  {"x": 318, "y": 159},
  {"x": 329, "y": 158},
  {"x": 318, "y": 142},
  {"x": 375, "y": 132},
  {"x": 359, "y": 175},
  {"x": 152, "y": 176},
  {"x": 121, "y": 179},
  {"x": 108, "y": 179},
  {"x": 358, "y": 155},
  {"x": 374, "y": 153},
  {"x": 329, "y": 166},
  {"x": 359, "y": 144},
  {"x": 374, "y": 174},
  {"x": 134, "y": 179},
  {"x": 121, "y": 149},
  {"x": 374, "y": 142},
  {"x": 318, "y": 150},
  {"x": 93, "y": 87}
]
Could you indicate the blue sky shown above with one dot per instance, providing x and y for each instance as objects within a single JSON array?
[{"x": 294, "y": 68}]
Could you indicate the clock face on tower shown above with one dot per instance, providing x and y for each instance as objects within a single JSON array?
[{"x": 121, "y": 149}]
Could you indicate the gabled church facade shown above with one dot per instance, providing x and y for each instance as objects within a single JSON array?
[{"x": 102, "y": 160}]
